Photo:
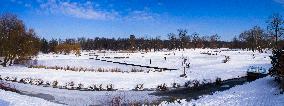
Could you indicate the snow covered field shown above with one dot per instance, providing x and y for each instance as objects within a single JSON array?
[
  {"x": 202, "y": 66},
  {"x": 8, "y": 98},
  {"x": 205, "y": 65},
  {"x": 262, "y": 92},
  {"x": 84, "y": 98}
]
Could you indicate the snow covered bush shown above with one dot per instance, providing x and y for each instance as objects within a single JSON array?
[
  {"x": 25, "y": 80},
  {"x": 187, "y": 83},
  {"x": 54, "y": 83},
  {"x": 176, "y": 85},
  {"x": 93, "y": 87},
  {"x": 13, "y": 79},
  {"x": 109, "y": 87},
  {"x": 139, "y": 87},
  {"x": 162, "y": 87},
  {"x": 70, "y": 84},
  {"x": 196, "y": 83},
  {"x": 80, "y": 86},
  {"x": 47, "y": 83},
  {"x": 37, "y": 81},
  {"x": 218, "y": 81},
  {"x": 227, "y": 58},
  {"x": 96, "y": 87},
  {"x": 100, "y": 87}
]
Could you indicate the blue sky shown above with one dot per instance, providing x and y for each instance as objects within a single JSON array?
[{"x": 147, "y": 18}]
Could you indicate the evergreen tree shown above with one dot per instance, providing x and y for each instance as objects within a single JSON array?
[
  {"x": 44, "y": 46},
  {"x": 52, "y": 44}
]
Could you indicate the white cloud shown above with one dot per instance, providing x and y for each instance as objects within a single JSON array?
[
  {"x": 279, "y": 1},
  {"x": 28, "y": 5},
  {"x": 140, "y": 15},
  {"x": 85, "y": 10},
  {"x": 91, "y": 10}
]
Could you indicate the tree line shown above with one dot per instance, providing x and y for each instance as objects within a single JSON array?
[{"x": 178, "y": 41}]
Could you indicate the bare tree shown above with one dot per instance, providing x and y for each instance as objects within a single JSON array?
[
  {"x": 275, "y": 27},
  {"x": 182, "y": 33},
  {"x": 214, "y": 40},
  {"x": 195, "y": 38},
  {"x": 132, "y": 41},
  {"x": 254, "y": 39},
  {"x": 172, "y": 41},
  {"x": 16, "y": 42}
]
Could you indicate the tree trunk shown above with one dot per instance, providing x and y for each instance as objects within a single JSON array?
[
  {"x": 11, "y": 61},
  {"x": 4, "y": 64}
]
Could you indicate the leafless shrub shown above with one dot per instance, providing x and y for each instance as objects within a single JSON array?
[
  {"x": 227, "y": 58},
  {"x": 136, "y": 70},
  {"x": 79, "y": 69}
]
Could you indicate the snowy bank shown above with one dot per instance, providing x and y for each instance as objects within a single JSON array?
[{"x": 262, "y": 92}]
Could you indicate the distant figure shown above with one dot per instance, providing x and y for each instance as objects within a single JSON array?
[
  {"x": 165, "y": 58},
  {"x": 150, "y": 61}
]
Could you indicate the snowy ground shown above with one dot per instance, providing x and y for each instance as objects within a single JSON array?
[
  {"x": 84, "y": 98},
  {"x": 202, "y": 66},
  {"x": 8, "y": 98},
  {"x": 262, "y": 92}
]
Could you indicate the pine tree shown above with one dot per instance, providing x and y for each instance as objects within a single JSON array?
[{"x": 44, "y": 46}]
